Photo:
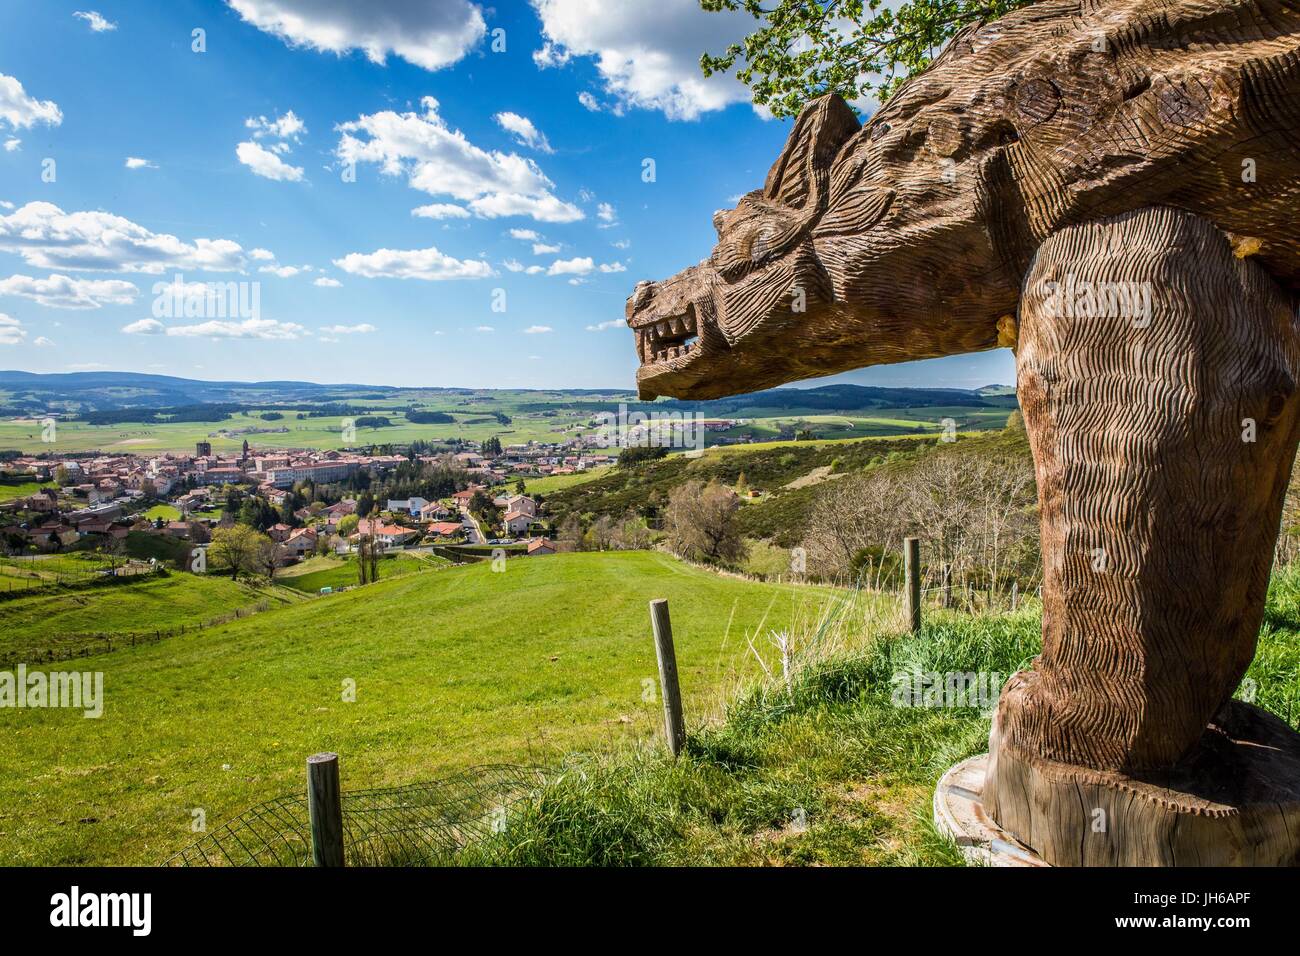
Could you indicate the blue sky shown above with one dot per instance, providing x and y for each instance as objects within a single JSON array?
[{"x": 293, "y": 149}]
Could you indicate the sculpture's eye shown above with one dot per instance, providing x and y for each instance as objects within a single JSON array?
[
  {"x": 719, "y": 220},
  {"x": 761, "y": 244}
]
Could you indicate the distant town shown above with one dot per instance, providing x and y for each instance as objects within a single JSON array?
[{"x": 307, "y": 501}]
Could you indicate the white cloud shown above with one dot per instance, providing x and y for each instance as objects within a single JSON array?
[
  {"x": 41, "y": 342},
  {"x": 21, "y": 111},
  {"x": 86, "y": 366},
  {"x": 144, "y": 327},
  {"x": 430, "y": 35},
  {"x": 441, "y": 161},
  {"x": 605, "y": 213},
  {"x": 514, "y": 265},
  {"x": 441, "y": 210},
  {"x": 527, "y": 235},
  {"x": 541, "y": 208},
  {"x": 524, "y": 132},
  {"x": 484, "y": 328},
  {"x": 48, "y": 238},
  {"x": 135, "y": 162},
  {"x": 576, "y": 266},
  {"x": 95, "y": 20},
  {"x": 325, "y": 282},
  {"x": 648, "y": 54},
  {"x": 363, "y": 329},
  {"x": 283, "y": 272},
  {"x": 221, "y": 329},
  {"x": 589, "y": 101},
  {"x": 262, "y": 254},
  {"x": 12, "y": 145},
  {"x": 64, "y": 292},
  {"x": 542, "y": 249},
  {"x": 11, "y": 330},
  {"x": 621, "y": 243},
  {"x": 612, "y": 267},
  {"x": 288, "y": 126},
  {"x": 538, "y": 330},
  {"x": 428, "y": 264},
  {"x": 265, "y": 163},
  {"x": 611, "y": 324}
]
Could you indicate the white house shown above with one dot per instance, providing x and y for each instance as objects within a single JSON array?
[
  {"x": 517, "y": 522},
  {"x": 411, "y": 506},
  {"x": 522, "y": 504}
]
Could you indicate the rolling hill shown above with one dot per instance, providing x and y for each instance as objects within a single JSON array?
[{"x": 451, "y": 668}]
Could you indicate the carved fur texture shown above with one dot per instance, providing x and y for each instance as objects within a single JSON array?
[{"x": 909, "y": 237}]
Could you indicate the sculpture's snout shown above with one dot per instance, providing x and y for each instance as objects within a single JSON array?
[{"x": 674, "y": 324}]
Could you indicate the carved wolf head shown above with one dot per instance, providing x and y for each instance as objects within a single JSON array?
[{"x": 908, "y": 238}]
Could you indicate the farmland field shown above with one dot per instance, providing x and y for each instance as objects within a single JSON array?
[
  {"x": 515, "y": 417},
  {"x": 452, "y": 669},
  {"x": 333, "y": 572},
  {"x": 60, "y": 620}
]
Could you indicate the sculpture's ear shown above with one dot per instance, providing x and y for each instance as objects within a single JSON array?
[{"x": 798, "y": 177}]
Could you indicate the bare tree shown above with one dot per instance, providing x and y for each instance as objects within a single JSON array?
[{"x": 701, "y": 523}]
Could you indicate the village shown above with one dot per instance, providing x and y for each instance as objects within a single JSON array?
[{"x": 307, "y": 502}]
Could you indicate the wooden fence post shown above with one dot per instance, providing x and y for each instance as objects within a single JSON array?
[
  {"x": 325, "y": 809},
  {"x": 912, "y": 563},
  {"x": 674, "y": 725}
]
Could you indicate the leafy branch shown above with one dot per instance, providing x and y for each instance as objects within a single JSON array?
[{"x": 857, "y": 48}]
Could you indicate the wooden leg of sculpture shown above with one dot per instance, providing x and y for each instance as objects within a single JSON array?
[{"x": 1158, "y": 380}]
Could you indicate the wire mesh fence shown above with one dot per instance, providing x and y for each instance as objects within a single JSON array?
[{"x": 418, "y": 824}]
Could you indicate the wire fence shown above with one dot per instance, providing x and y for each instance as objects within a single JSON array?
[
  {"x": 418, "y": 824},
  {"x": 75, "y": 644},
  {"x": 25, "y": 574}
]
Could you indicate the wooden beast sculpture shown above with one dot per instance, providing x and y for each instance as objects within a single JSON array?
[{"x": 1112, "y": 188}]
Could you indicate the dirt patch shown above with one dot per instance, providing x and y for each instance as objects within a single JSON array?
[{"x": 814, "y": 477}]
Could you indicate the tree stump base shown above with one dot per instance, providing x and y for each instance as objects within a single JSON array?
[{"x": 1234, "y": 800}]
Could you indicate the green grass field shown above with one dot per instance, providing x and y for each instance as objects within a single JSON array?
[
  {"x": 534, "y": 416},
  {"x": 62, "y": 620},
  {"x": 165, "y": 512},
  {"x": 553, "y": 483},
  {"x": 332, "y": 572},
  {"x": 22, "y": 489},
  {"x": 451, "y": 669}
]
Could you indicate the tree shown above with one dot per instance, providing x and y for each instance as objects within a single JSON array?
[
  {"x": 701, "y": 523},
  {"x": 239, "y": 548},
  {"x": 633, "y": 455},
  {"x": 347, "y": 525},
  {"x": 857, "y": 48},
  {"x": 570, "y": 537}
]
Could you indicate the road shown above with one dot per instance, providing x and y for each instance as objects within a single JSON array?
[{"x": 473, "y": 533}]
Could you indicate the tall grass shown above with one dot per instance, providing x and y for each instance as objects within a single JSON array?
[{"x": 812, "y": 763}]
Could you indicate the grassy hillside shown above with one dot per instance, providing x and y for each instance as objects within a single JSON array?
[
  {"x": 789, "y": 475},
  {"x": 824, "y": 770},
  {"x": 63, "y": 620},
  {"x": 333, "y": 572},
  {"x": 451, "y": 669}
]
